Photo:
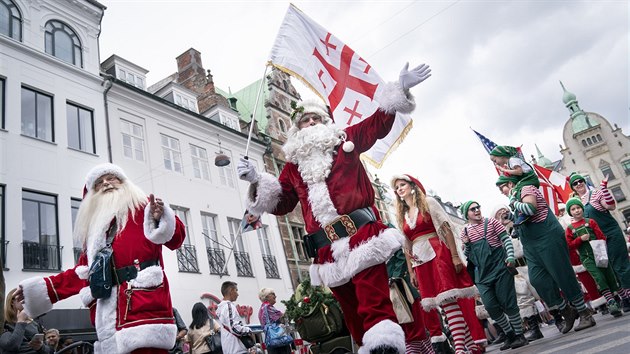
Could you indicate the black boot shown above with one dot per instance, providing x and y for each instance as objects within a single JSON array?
[
  {"x": 442, "y": 347},
  {"x": 386, "y": 349},
  {"x": 625, "y": 304},
  {"x": 586, "y": 320},
  {"x": 510, "y": 337},
  {"x": 519, "y": 341},
  {"x": 500, "y": 336},
  {"x": 557, "y": 319},
  {"x": 534, "y": 329},
  {"x": 570, "y": 315}
]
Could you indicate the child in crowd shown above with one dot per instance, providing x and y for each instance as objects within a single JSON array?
[
  {"x": 506, "y": 160},
  {"x": 489, "y": 248},
  {"x": 578, "y": 234}
]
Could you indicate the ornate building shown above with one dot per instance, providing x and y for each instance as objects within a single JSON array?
[{"x": 594, "y": 148}]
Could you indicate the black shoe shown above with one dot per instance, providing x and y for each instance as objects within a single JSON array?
[
  {"x": 603, "y": 309},
  {"x": 501, "y": 336},
  {"x": 625, "y": 304},
  {"x": 386, "y": 349},
  {"x": 570, "y": 315},
  {"x": 586, "y": 320},
  {"x": 557, "y": 319},
  {"x": 519, "y": 341},
  {"x": 534, "y": 329},
  {"x": 510, "y": 337}
]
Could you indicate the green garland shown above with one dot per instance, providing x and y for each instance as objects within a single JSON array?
[{"x": 306, "y": 298}]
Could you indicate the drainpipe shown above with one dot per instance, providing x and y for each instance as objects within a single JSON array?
[{"x": 107, "y": 83}]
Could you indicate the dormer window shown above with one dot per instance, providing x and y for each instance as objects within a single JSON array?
[
  {"x": 62, "y": 42},
  {"x": 130, "y": 78},
  {"x": 185, "y": 101},
  {"x": 10, "y": 20},
  {"x": 229, "y": 120}
]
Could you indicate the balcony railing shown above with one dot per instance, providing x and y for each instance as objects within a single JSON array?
[
  {"x": 4, "y": 254},
  {"x": 41, "y": 257},
  {"x": 187, "y": 259},
  {"x": 243, "y": 264},
  {"x": 271, "y": 267},
  {"x": 216, "y": 261}
]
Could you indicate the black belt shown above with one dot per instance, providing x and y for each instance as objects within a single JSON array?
[
  {"x": 344, "y": 226},
  {"x": 127, "y": 273}
]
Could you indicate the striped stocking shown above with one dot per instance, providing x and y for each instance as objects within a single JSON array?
[
  {"x": 457, "y": 325},
  {"x": 419, "y": 347}
]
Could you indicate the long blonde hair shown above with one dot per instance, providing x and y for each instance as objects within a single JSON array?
[
  {"x": 10, "y": 314},
  {"x": 419, "y": 201}
]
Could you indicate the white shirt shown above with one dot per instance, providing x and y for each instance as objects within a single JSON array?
[{"x": 230, "y": 344}]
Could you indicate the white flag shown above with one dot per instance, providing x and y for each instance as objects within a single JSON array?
[{"x": 344, "y": 80}]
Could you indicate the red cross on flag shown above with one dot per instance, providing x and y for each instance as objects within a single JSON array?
[{"x": 344, "y": 80}]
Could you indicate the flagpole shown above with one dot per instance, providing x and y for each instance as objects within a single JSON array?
[{"x": 253, "y": 118}]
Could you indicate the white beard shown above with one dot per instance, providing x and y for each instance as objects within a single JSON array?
[
  {"x": 98, "y": 209},
  {"x": 311, "y": 149}
]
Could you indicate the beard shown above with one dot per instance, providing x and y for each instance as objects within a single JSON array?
[
  {"x": 98, "y": 208},
  {"x": 311, "y": 149}
]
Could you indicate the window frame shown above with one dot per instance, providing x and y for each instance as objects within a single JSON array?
[
  {"x": 200, "y": 164},
  {"x": 607, "y": 170},
  {"x": 80, "y": 109},
  {"x": 50, "y": 29},
  {"x": 3, "y": 242},
  {"x": 625, "y": 166},
  {"x": 169, "y": 153},
  {"x": 28, "y": 196},
  {"x": 134, "y": 140},
  {"x": 617, "y": 193},
  {"x": 2, "y": 100},
  {"x": 14, "y": 15},
  {"x": 36, "y": 117}
]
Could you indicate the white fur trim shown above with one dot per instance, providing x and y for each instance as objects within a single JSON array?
[
  {"x": 349, "y": 263},
  {"x": 384, "y": 333},
  {"x": 166, "y": 228},
  {"x": 158, "y": 335},
  {"x": 394, "y": 99},
  {"x": 322, "y": 206},
  {"x": 438, "y": 339},
  {"x": 36, "y": 300},
  {"x": 103, "y": 169},
  {"x": 96, "y": 240},
  {"x": 82, "y": 272},
  {"x": 106, "y": 346},
  {"x": 86, "y": 296},
  {"x": 598, "y": 302},
  {"x": 429, "y": 303},
  {"x": 579, "y": 268},
  {"x": 149, "y": 277},
  {"x": 105, "y": 320},
  {"x": 263, "y": 197},
  {"x": 313, "y": 106}
]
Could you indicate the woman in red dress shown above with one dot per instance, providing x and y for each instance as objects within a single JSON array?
[{"x": 432, "y": 254}]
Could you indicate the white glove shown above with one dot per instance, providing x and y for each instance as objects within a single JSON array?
[
  {"x": 409, "y": 79},
  {"x": 247, "y": 171}
]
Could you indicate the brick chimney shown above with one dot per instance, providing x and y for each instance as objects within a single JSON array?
[{"x": 192, "y": 75}]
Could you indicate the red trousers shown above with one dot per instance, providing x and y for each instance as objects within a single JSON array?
[
  {"x": 591, "y": 287},
  {"x": 365, "y": 301}
]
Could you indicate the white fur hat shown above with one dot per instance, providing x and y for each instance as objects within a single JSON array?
[
  {"x": 311, "y": 106},
  {"x": 103, "y": 169}
]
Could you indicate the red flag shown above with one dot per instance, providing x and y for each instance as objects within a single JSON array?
[{"x": 557, "y": 180}]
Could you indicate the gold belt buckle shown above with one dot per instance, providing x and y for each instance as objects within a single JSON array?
[{"x": 347, "y": 223}]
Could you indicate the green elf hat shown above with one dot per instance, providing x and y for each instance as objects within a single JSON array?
[
  {"x": 574, "y": 201},
  {"x": 572, "y": 178},
  {"x": 464, "y": 208},
  {"x": 505, "y": 179},
  {"x": 504, "y": 151}
]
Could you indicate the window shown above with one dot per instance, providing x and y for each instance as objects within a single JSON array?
[
  {"x": 626, "y": 167},
  {"x": 282, "y": 125},
  {"x": 80, "y": 128},
  {"x": 77, "y": 247},
  {"x": 185, "y": 102},
  {"x": 599, "y": 137},
  {"x": 589, "y": 141},
  {"x": 201, "y": 167},
  {"x": 271, "y": 267},
  {"x": 10, "y": 20},
  {"x": 186, "y": 254},
  {"x": 62, "y": 42},
  {"x": 618, "y": 193},
  {"x": 40, "y": 238},
  {"x": 584, "y": 143},
  {"x": 243, "y": 263},
  {"x": 2, "y": 236},
  {"x": 298, "y": 237},
  {"x": 171, "y": 153},
  {"x": 216, "y": 256},
  {"x": 131, "y": 78},
  {"x": 226, "y": 176},
  {"x": 606, "y": 170},
  {"x": 37, "y": 115},
  {"x": 229, "y": 120},
  {"x": 1, "y": 103},
  {"x": 133, "y": 140}
]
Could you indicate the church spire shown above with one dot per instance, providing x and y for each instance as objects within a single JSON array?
[
  {"x": 542, "y": 160},
  {"x": 579, "y": 119}
]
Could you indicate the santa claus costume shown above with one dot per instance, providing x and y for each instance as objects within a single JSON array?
[
  {"x": 137, "y": 317},
  {"x": 350, "y": 244}
]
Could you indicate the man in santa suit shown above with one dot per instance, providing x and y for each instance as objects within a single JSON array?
[
  {"x": 137, "y": 317},
  {"x": 347, "y": 239}
]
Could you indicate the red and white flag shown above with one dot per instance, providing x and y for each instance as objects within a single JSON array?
[
  {"x": 341, "y": 77},
  {"x": 557, "y": 180}
]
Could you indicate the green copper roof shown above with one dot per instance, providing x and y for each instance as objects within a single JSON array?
[
  {"x": 542, "y": 160},
  {"x": 246, "y": 99},
  {"x": 580, "y": 121}
]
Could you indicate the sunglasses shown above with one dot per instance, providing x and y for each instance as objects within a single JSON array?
[
  {"x": 475, "y": 209},
  {"x": 577, "y": 182}
]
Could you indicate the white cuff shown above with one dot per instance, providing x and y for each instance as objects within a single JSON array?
[
  {"x": 165, "y": 229},
  {"x": 36, "y": 300},
  {"x": 263, "y": 196},
  {"x": 394, "y": 99}
]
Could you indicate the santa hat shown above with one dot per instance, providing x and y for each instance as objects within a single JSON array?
[
  {"x": 101, "y": 170},
  {"x": 408, "y": 178}
]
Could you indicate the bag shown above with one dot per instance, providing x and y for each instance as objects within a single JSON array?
[
  {"x": 275, "y": 335},
  {"x": 214, "y": 342},
  {"x": 100, "y": 274},
  {"x": 247, "y": 341},
  {"x": 402, "y": 299},
  {"x": 321, "y": 324},
  {"x": 600, "y": 253}
]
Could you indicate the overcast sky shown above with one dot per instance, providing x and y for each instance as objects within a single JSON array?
[{"x": 496, "y": 67}]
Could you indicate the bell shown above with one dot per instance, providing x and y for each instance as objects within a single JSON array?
[{"x": 221, "y": 160}]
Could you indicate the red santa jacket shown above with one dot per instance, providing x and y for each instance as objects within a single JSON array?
[{"x": 139, "y": 313}]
